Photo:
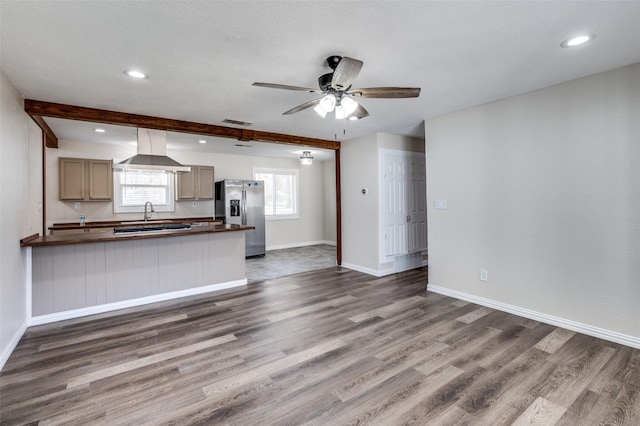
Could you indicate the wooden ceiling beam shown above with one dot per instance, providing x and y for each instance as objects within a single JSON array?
[
  {"x": 50, "y": 138},
  {"x": 70, "y": 112}
]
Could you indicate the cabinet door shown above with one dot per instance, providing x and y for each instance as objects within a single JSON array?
[
  {"x": 71, "y": 178},
  {"x": 100, "y": 180},
  {"x": 187, "y": 185},
  {"x": 205, "y": 183}
]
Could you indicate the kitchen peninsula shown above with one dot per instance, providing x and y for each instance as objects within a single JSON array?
[{"x": 82, "y": 274}]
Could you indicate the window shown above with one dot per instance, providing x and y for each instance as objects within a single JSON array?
[
  {"x": 280, "y": 192},
  {"x": 133, "y": 188}
]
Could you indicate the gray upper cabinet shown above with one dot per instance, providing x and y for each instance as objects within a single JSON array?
[
  {"x": 196, "y": 184},
  {"x": 82, "y": 179}
]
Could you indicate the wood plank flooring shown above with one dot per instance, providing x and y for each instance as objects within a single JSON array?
[{"x": 330, "y": 347}]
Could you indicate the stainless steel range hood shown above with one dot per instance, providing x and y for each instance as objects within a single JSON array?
[{"x": 152, "y": 154}]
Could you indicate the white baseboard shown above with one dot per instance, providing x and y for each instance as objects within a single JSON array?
[
  {"x": 366, "y": 270},
  {"x": 587, "y": 329},
  {"x": 305, "y": 244},
  {"x": 76, "y": 313},
  {"x": 377, "y": 272},
  {"x": 4, "y": 356}
]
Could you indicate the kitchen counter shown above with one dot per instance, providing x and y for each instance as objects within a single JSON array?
[
  {"x": 53, "y": 240},
  {"x": 99, "y": 225},
  {"x": 82, "y": 274}
]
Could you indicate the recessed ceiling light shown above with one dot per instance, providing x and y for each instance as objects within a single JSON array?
[
  {"x": 576, "y": 41},
  {"x": 99, "y": 130},
  {"x": 135, "y": 74},
  {"x": 202, "y": 141}
]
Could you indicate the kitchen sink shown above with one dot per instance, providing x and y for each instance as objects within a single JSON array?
[
  {"x": 143, "y": 222},
  {"x": 151, "y": 228}
]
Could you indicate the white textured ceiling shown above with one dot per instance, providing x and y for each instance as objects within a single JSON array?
[{"x": 202, "y": 56}]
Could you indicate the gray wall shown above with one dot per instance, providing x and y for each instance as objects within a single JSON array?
[
  {"x": 543, "y": 191},
  {"x": 21, "y": 194},
  {"x": 360, "y": 212},
  {"x": 359, "y": 169}
]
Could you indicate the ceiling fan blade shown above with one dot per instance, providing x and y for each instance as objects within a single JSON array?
[
  {"x": 360, "y": 113},
  {"x": 286, "y": 87},
  {"x": 302, "y": 107},
  {"x": 386, "y": 92},
  {"x": 344, "y": 74}
]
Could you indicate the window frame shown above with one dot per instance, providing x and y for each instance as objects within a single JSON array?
[
  {"x": 296, "y": 192},
  {"x": 170, "y": 206}
]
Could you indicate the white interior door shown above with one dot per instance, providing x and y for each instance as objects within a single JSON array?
[
  {"x": 403, "y": 216},
  {"x": 394, "y": 193},
  {"x": 417, "y": 200}
]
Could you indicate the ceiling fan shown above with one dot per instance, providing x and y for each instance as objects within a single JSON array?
[{"x": 337, "y": 91}]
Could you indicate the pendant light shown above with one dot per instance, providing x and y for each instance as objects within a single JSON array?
[{"x": 306, "y": 159}]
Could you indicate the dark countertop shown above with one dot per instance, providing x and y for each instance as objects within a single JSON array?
[
  {"x": 112, "y": 224},
  {"x": 98, "y": 237}
]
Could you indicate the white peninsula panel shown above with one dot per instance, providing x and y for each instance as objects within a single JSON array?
[{"x": 80, "y": 279}]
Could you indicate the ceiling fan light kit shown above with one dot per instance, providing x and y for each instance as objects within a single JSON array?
[
  {"x": 342, "y": 107},
  {"x": 326, "y": 105},
  {"x": 336, "y": 88}
]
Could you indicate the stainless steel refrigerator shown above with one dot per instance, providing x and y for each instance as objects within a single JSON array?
[{"x": 241, "y": 202}]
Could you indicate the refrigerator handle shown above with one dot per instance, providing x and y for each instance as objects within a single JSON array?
[{"x": 244, "y": 208}]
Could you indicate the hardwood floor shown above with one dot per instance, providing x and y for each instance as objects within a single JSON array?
[{"x": 328, "y": 347}]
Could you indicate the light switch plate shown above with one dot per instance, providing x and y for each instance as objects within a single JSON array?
[{"x": 441, "y": 204}]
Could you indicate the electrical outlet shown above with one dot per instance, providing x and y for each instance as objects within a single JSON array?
[
  {"x": 484, "y": 275},
  {"x": 76, "y": 205}
]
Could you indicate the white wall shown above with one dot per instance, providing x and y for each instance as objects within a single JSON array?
[
  {"x": 543, "y": 191},
  {"x": 64, "y": 211},
  {"x": 360, "y": 212},
  {"x": 309, "y": 228},
  {"x": 21, "y": 195}
]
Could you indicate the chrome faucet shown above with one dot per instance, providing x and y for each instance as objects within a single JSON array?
[{"x": 147, "y": 213}]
